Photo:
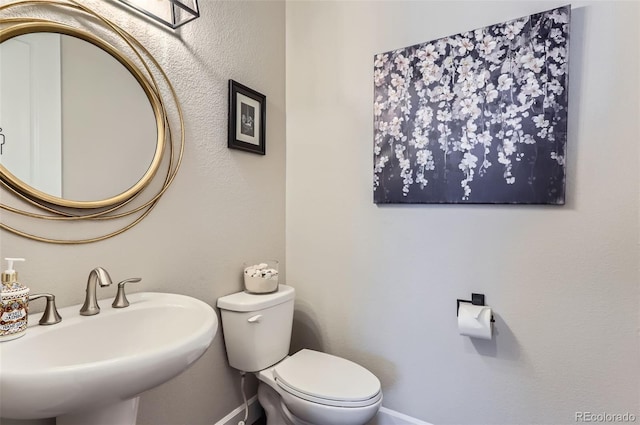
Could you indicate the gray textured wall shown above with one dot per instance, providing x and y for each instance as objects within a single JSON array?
[
  {"x": 224, "y": 207},
  {"x": 378, "y": 284}
]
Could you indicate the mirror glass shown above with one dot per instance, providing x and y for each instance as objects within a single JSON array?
[{"x": 75, "y": 123}]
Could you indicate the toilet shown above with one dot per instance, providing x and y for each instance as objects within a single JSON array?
[{"x": 306, "y": 388}]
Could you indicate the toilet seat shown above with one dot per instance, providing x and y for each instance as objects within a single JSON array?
[{"x": 326, "y": 379}]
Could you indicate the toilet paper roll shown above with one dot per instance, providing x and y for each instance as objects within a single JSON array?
[{"x": 475, "y": 321}]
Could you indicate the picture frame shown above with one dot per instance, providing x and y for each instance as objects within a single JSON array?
[{"x": 247, "y": 119}]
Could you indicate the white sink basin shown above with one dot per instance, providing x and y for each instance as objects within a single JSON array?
[{"x": 90, "y": 367}]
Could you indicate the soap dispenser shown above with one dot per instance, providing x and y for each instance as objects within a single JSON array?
[{"x": 13, "y": 304}]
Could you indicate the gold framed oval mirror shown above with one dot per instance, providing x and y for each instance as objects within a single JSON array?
[
  {"x": 65, "y": 159},
  {"x": 39, "y": 213}
]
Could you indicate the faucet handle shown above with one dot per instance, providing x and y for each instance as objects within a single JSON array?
[
  {"x": 121, "y": 300},
  {"x": 50, "y": 315}
]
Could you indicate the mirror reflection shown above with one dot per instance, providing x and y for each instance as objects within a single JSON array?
[{"x": 75, "y": 123}]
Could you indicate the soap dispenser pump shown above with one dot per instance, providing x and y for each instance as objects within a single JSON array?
[{"x": 14, "y": 299}]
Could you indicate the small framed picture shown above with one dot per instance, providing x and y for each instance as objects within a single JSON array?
[{"x": 247, "y": 118}]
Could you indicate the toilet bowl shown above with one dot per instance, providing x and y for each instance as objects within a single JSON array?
[
  {"x": 306, "y": 388},
  {"x": 319, "y": 389}
]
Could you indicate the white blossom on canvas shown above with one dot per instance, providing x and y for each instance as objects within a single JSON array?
[{"x": 478, "y": 117}]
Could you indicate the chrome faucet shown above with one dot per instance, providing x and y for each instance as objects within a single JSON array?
[{"x": 97, "y": 275}]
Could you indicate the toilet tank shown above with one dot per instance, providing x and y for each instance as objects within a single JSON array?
[{"x": 257, "y": 327}]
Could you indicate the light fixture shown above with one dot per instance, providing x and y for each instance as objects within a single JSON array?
[{"x": 172, "y": 13}]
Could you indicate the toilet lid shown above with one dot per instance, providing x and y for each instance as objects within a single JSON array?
[{"x": 327, "y": 379}]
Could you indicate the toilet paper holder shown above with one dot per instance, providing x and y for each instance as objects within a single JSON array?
[{"x": 476, "y": 299}]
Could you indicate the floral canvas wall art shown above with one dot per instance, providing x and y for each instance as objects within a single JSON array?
[{"x": 478, "y": 117}]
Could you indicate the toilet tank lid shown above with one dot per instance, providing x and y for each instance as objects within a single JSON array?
[{"x": 244, "y": 301}]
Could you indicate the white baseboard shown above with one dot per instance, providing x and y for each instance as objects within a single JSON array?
[
  {"x": 255, "y": 411},
  {"x": 391, "y": 417},
  {"x": 384, "y": 417}
]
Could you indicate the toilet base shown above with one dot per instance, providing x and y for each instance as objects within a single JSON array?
[{"x": 276, "y": 412}]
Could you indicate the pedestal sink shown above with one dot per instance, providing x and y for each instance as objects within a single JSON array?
[{"x": 90, "y": 370}]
